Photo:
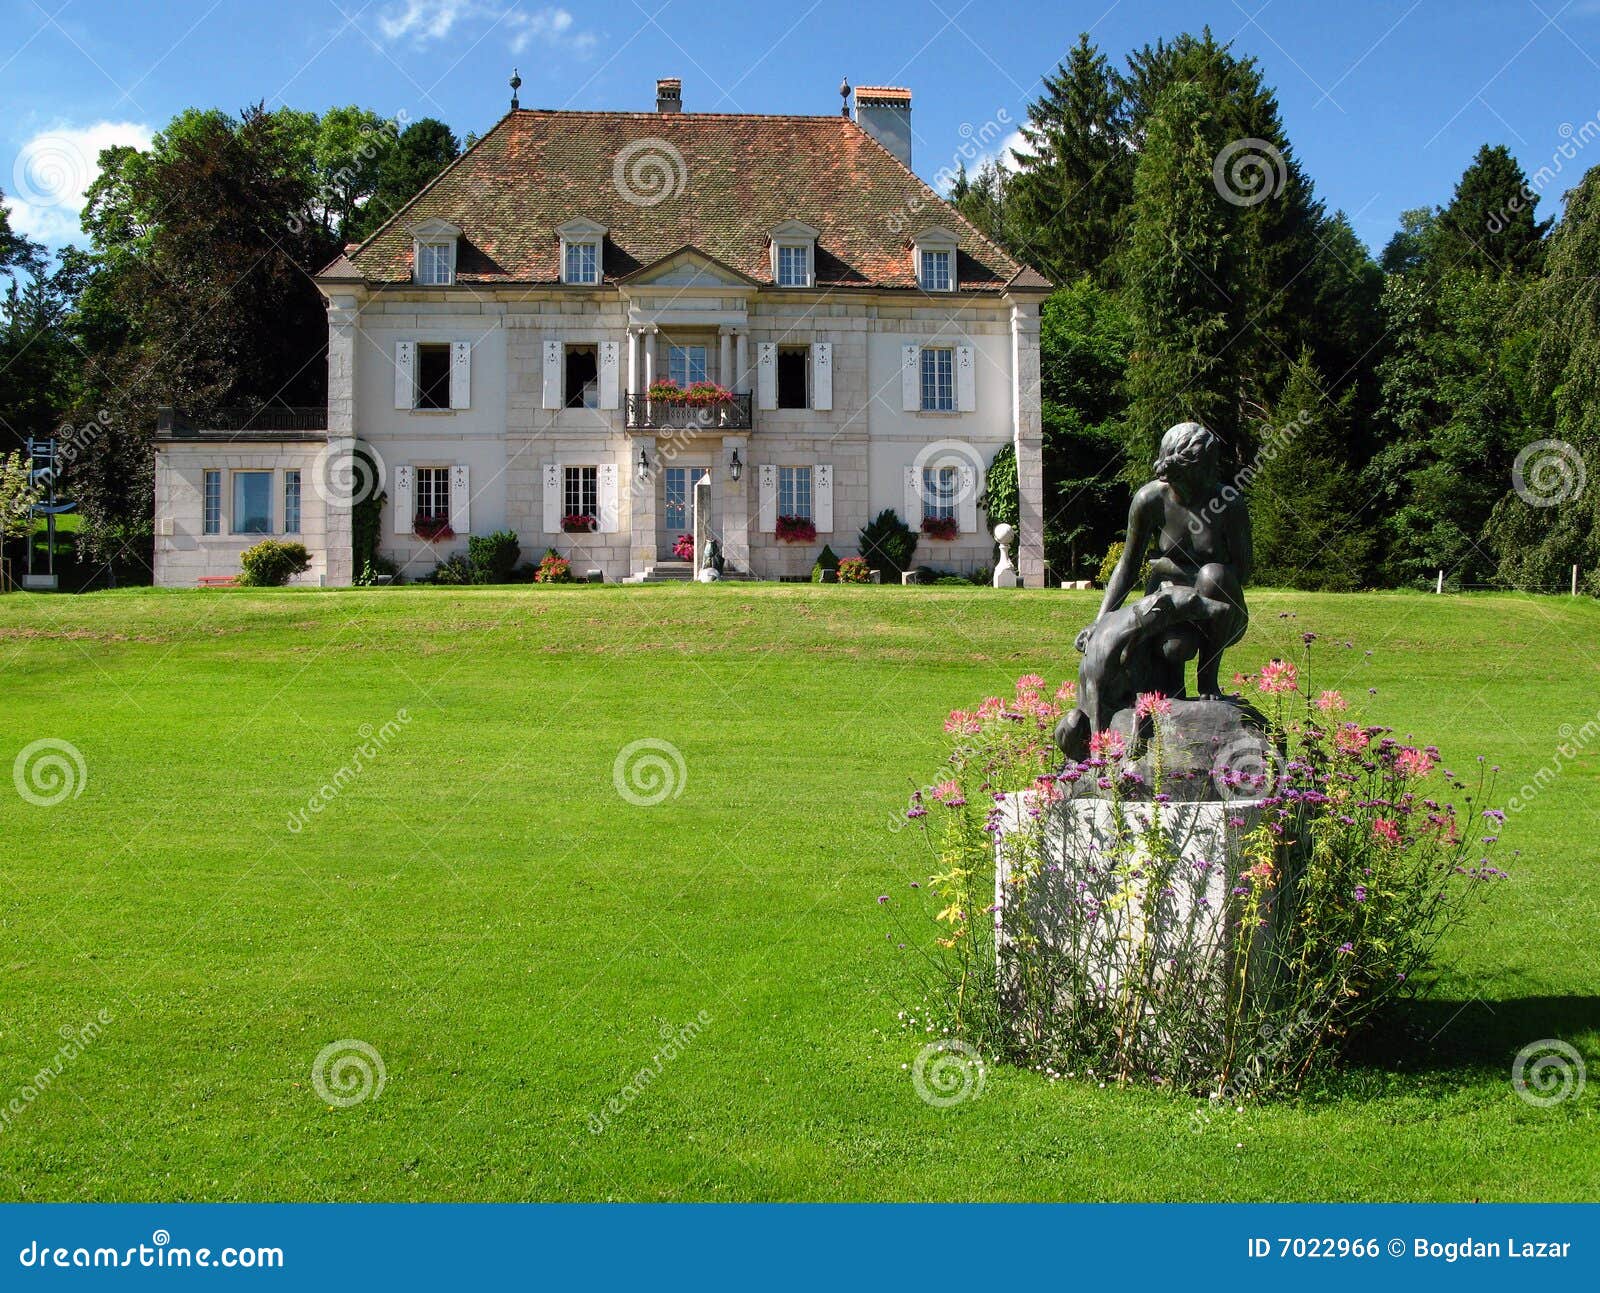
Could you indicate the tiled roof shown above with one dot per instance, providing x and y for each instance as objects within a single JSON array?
[{"x": 727, "y": 180}]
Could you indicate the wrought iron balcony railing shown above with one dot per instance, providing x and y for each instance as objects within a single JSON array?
[{"x": 645, "y": 413}]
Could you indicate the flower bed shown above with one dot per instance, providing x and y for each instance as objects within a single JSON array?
[
  {"x": 579, "y": 523},
  {"x": 853, "y": 570},
  {"x": 553, "y": 569},
  {"x": 941, "y": 527},
  {"x": 432, "y": 528},
  {"x": 1364, "y": 851},
  {"x": 796, "y": 529}
]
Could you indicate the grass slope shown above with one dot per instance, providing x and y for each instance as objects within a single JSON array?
[{"x": 513, "y": 937}]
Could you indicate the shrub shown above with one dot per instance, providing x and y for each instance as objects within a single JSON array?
[
  {"x": 374, "y": 567},
  {"x": 453, "y": 570},
  {"x": 1001, "y": 501},
  {"x": 888, "y": 544},
  {"x": 492, "y": 557},
  {"x": 553, "y": 569},
  {"x": 683, "y": 547},
  {"x": 853, "y": 570},
  {"x": 826, "y": 561},
  {"x": 1360, "y": 860},
  {"x": 1109, "y": 565},
  {"x": 796, "y": 529},
  {"x": 270, "y": 563}
]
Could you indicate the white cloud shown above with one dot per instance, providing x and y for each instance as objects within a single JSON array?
[
  {"x": 424, "y": 21},
  {"x": 53, "y": 170},
  {"x": 973, "y": 155}
]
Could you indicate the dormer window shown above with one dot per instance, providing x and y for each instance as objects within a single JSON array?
[
  {"x": 794, "y": 254},
  {"x": 434, "y": 253},
  {"x": 934, "y": 251},
  {"x": 581, "y": 259}
]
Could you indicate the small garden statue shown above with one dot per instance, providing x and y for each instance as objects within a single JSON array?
[
  {"x": 1193, "y": 606},
  {"x": 1005, "y": 571}
]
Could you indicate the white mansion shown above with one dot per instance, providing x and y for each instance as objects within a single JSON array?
[{"x": 503, "y": 349}]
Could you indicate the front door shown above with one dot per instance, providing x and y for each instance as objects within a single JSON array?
[{"x": 677, "y": 507}]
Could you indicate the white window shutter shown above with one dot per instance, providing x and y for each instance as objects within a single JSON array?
[
  {"x": 911, "y": 378},
  {"x": 404, "y": 512},
  {"x": 461, "y": 374},
  {"x": 914, "y": 497},
  {"x": 552, "y": 374},
  {"x": 966, "y": 381},
  {"x": 767, "y": 374},
  {"x": 460, "y": 499},
  {"x": 967, "y": 503},
  {"x": 822, "y": 497},
  {"x": 607, "y": 488},
  {"x": 610, "y": 369},
  {"x": 405, "y": 376},
  {"x": 552, "y": 497},
  {"x": 822, "y": 375},
  {"x": 767, "y": 504}
]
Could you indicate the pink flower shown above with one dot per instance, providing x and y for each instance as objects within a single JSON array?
[
  {"x": 1386, "y": 831},
  {"x": 1413, "y": 763},
  {"x": 1278, "y": 676},
  {"x": 1330, "y": 701},
  {"x": 1108, "y": 744},
  {"x": 992, "y": 707},
  {"x": 1350, "y": 739},
  {"x": 961, "y": 722},
  {"x": 1152, "y": 704},
  {"x": 1029, "y": 682}
]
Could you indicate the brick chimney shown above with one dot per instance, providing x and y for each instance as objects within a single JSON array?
[
  {"x": 669, "y": 94},
  {"x": 884, "y": 112}
]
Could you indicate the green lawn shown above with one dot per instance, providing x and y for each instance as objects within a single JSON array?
[{"x": 481, "y": 905}]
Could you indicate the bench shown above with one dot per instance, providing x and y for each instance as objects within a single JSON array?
[{"x": 217, "y": 581}]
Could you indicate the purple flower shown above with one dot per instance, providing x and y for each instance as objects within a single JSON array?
[
  {"x": 883, "y": 897},
  {"x": 1360, "y": 894},
  {"x": 1347, "y": 949}
]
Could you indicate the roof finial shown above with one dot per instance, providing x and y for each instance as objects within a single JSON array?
[
  {"x": 516, "y": 84},
  {"x": 844, "y": 93}
]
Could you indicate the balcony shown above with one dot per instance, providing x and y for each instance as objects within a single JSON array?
[
  {"x": 646, "y": 414},
  {"x": 255, "y": 422}
]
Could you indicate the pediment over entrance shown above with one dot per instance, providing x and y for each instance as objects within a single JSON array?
[{"x": 688, "y": 267}]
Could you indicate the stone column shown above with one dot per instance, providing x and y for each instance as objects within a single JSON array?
[
  {"x": 333, "y": 483},
  {"x": 742, "y": 363},
  {"x": 650, "y": 359},
  {"x": 725, "y": 373},
  {"x": 1028, "y": 437},
  {"x": 633, "y": 361},
  {"x": 735, "y": 504},
  {"x": 642, "y": 503},
  {"x": 702, "y": 521}
]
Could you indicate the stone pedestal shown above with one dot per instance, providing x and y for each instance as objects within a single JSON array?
[
  {"x": 1005, "y": 574},
  {"x": 1090, "y": 898}
]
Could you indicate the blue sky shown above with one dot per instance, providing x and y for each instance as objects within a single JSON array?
[{"x": 1385, "y": 102}]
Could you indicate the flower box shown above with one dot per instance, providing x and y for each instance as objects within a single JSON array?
[
  {"x": 941, "y": 527},
  {"x": 696, "y": 394},
  {"x": 435, "y": 529},
  {"x": 796, "y": 529},
  {"x": 579, "y": 523}
]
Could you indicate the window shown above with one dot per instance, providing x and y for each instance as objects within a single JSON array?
[
  {"x": 939, "y": 488},
  {"x": 680, "y": 496},
  {"x": 583, "y": 377},
  {"x": 938, "y": 379},
  {"x": 582, "y": 262},
  {"x": 433, "y": 494},
  {"x": 291, "y": 502},
  {"x": 793, "y": 363},
  {"x": 794, "y": 491},
  {"x": 580, "y": 491},
  {"x": 433, "y": 376},
  {"x": 794, "y": 266},
  {"x": 435, "y": 265},
  {"x": 686, "y": 364},
  {"x": 252, "y": 502},
  {"x": 213, "y": 502},
  {"x": 935, "y": 274}
]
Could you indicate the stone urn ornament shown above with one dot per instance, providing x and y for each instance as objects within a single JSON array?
[{"x": 1005, "y": 571}]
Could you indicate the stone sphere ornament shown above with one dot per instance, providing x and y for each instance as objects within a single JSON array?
[{"x": 1005, "y": 571}]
